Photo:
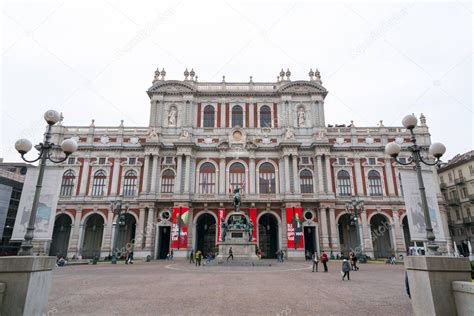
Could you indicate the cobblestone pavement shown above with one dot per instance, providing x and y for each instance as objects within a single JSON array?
[{"x": 177, "y": 288}]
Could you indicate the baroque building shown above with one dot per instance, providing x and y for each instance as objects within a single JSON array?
[{"x": 205, "y": 139}]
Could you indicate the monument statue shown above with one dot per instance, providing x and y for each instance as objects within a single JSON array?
[
  {"x": 250, "y": 230},
  {"x": 237, "y": 200},
  {"x": 223, "y": 229}
]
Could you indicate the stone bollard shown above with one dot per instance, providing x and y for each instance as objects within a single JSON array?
[
  {"x": 28, "y": 281},
  {"x": 430, "y": 279}
]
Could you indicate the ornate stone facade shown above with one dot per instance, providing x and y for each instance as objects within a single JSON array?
[{"x": 206, "y": 138}]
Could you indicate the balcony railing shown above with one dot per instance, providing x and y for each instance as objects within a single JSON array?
[
  {"x": 467, "y": 220},
  {"x": 460, "y": 180},
  {"x": 453, "y": 202},
  {"x": 471, "y": 198},
  {"x": 443, "y": 186}
]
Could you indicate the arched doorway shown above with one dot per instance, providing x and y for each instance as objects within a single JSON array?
[
  {"x": 125, "y": 234},
  {"x": 268, "y": 235},
  {"x": 92, "y": 236},
  {"x": 61, "y": 232},
  {"x": 348, "y": 234},
  {"x": 406, "y": 233},
  {"x": 206, "y": 234},
  {"x": 380, "y": 228}
]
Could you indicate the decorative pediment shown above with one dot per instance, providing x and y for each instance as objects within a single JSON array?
[
  {"x": 171, "y": 87},
  {"x": 302, "y": 87}
]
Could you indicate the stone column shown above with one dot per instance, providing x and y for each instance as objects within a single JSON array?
[
  {"x": 187, "y": 174},
  {"x": 369, "y": 248},
  {"x": 399, "y": 244},
  {"x": 296, "y": 176},
  {"x": 149, "y": 231},
  {"x": 335, "y": 244},
  {"x": 319, "y": 172},
  {"x": 115, "y": 189},
  {"x": 284, "y": 231},
  {"x": 154, "y": 170},
  {"x": 140, "y": 233},
  {"x": 324, "y": 229},
  {"x": 75, "y": 235},
  {"x": 146, "y": 172},
  {"x": 222, "y": 184},
  {"x": 287, "y": 174},
  {"x": 158, "y": 175},
  {"x": 85, "y": 177},
  {"x": 318, "y": 243},
  {"x": 329, "y": 178},
  {"x": 252, "y": 174},
  {"x": 388, "y": 172},
  {"x": 107, "y": 240},
  {"x": 358, "y": 175},
  {"x": 179, "y": 170}
]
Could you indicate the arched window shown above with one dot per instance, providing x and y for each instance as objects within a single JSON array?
[
  {"x": 237, "y": 177},
  {"x": 207, "y": 178},
  {"x": 306, "y": 181},
  {"x": 375, "y": 183},
  {"x": 266, "y": 178},
  {"x": 265, "y": 116},
  {"x": 98, "y": 183},
  {"x": 209, "y": 116},
  {"x": 167, "y": 181},
  {"x": 344, "y": 183},
  {"x": 129, "y": 183},
  {"x": 237, "y": 116},
  {"x": 67, "y": 184}
]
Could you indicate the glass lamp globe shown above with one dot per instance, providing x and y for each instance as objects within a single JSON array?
[
  {"x": 437, "y": 150},
  {"x": 23, "y": 146},
  {"x": 69, "y": 146},
  {"x": 409, "y": 121},
  {"x": 52, "y": 117},
  {"x": 392, "y": 149}
]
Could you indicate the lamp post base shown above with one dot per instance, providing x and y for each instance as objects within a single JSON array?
[{"x": 432, "y": 249}]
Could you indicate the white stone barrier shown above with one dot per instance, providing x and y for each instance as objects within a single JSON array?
[{"x": 464, "y": 297}]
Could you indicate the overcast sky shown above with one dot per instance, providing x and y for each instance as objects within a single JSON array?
[{"x": 95, "y": 59}]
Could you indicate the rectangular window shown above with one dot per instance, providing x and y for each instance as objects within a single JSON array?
[
  {"x": 71, "y": 160},
  {"x": 402, "y": 160},
  {"x": 372, "y": 161},
  {"x": 471, "y": 170},
  {"x": 341, "y": 161},
  {"x": 442, "y": 179},
  {"x": 132, "y": 161},
  {"x": 101, "y": 161},
  {"x": 464, "y": 193},
  {"x": 169, "y": 160},
  {"x": 460, "y": 173},
  {"x": 305, "y": 160},
  {"x": 450, "y": 177}
]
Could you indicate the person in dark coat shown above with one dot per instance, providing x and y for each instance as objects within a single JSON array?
[
  {"x": 346, "y": 268},
  {"x": 231, "y": 254},
  {"x": 324, "y": 260},
  {"x": 315, "y": 261}
]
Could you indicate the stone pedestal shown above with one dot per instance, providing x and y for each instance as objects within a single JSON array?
[
  {"x": 28, "y": 281},
  {"x": 295, "y": 254},
  {"x": 242, "y": 249},
  {"x": 430, "y": 279}
]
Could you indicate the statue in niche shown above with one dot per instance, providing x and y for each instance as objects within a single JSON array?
[
  {"x": 301, "y": 117},
  {"x": 289, "y": 134},
  {"x": 172, "y": 116}
]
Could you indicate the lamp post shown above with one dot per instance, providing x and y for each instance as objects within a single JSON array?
[
  {"x": 119, "y": 210},
  {"x": 437, "y": 150},
  {"x": 355, "y": 208},
  {"x": 23, "y": 146}
]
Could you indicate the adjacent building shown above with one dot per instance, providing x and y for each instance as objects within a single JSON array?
[
  {"x": 456, "y": 179},
  {"x": 204, "y": 140}
]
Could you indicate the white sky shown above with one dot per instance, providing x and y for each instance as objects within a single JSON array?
[{"x": 96, "y": 59}]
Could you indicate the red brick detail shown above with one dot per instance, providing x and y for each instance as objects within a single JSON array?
[
  {"x": 119, "y": 185},
  {"x": 96, "y": 139},
  {"x": 199, "y": 115},
  {"x": 394, "y": 177},
  {"x": 227, "y": 107},
  {"x": 79, "y": 178},
  {"x": 89, "y": 176},
  {"x": 111, "y": 177},
  {"x": 354, "y": 179},
  {"x": 113, "y": 140},
  {"x": 275, "y": 115},
  {"x": 331, "y": 161},
  {"x": 362, "y": 161},
  {"x": 218, "y": 115},
  {"x": 142, "y": 160},
  {"x": 255, "y": 115},
  {"x": 247, "y": 107},
  {"x": 82, "y": 139},
  {"x": 385, "y": 181}
]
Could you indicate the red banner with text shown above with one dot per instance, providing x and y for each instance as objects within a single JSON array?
[
  {"x": 294, "y": 222},
  {"x": 179, "y": 228},
  {"x": 253, "y": 218},
  {"x": 220, "y": 220}
]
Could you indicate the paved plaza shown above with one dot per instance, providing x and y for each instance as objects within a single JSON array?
[{"x": 178, "y": 288}]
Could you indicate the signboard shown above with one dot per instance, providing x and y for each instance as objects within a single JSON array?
[
  {"x": 294, "y": 223},
  {"x": 253, "y": 218},
  {"x": 180, "y": 218},
  {"x": 220, "y": 220},
  {"x": 48, "y": 202},
  {"x": 411, "y": 194}
]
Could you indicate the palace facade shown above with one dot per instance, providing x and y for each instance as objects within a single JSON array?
[{"x": 204, "y": 139}]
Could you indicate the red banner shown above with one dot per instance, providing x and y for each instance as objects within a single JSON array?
[
  {"x": 220, "y": 219},
  {"x": 179, "y": 217},
  {"x": 294, "y": 222},
  {"x": 253, "y": 218}
]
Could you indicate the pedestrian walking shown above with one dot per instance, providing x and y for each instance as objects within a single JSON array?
[
  {"x": 198, "y": 257},
  {"x": 191, "y": 256},
  {"x": 231, "y": 254},
  {"x": 315, "y": 261},
  {"x": 346, "y": 268},
  {"x": 171, "y": 254},
  {"x": 324, "y": 260},
  {"x": 129, "y": 257},
  {"x": 353, "y": 261}
]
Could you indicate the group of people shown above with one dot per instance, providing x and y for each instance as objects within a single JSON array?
[
  {"x": 197, "y": 256},
  {"x": 280, "y": 255},
  {"x": 348, "y": 263}
]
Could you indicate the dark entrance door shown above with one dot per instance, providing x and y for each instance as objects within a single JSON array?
[
  {"x": 268, "y": 235},
  {"x": 61, "y": 232},
  {"x": 206, "y": 234},
  {"x": 309, "y": 238},
  {"x": 164, "y": 243}
]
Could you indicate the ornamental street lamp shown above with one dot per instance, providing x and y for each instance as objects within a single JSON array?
[
  {"x": 355, "y": 207},
  {"x": 437, "y": 150},
  {"x": 23, "y": 146},
  {"x": 119, "y": 210}
]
